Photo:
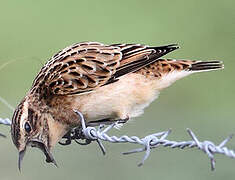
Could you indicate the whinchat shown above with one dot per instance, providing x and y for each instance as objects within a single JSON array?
[{"x": 106, "y": 83}]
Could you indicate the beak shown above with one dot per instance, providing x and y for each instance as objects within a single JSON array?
[
  {"x": 21, "y": 156},
  {"x": 39, "y": 144}
]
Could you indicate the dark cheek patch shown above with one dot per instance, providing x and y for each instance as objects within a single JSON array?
[{"x": 32, "y": 118}]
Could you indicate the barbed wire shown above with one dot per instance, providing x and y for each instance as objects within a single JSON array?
[
  {"x": 90, "y": 134},
  {"x": 5, "y": 121}
]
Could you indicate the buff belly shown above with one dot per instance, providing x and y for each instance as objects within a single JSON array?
[{"x": 125, "y": 98}]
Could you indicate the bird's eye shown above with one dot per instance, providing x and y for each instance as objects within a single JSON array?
[{"x": 27, "y": 127}]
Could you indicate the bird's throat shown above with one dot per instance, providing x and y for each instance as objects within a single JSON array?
[{"x": 56, "y": 131}]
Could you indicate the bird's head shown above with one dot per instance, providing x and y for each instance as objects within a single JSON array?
[{"x": 31, "y": 127}]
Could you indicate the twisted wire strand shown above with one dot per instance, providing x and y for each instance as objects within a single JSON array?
[
  {"x": 149, "y": 142},
  {"x": 5, "y": 121},
  {"x": 155, "y": 140}
]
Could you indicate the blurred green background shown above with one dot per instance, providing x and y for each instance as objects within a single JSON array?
[{"x": 32, "y": 31}]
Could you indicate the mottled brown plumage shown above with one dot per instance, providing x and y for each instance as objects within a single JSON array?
[
  {"x": 106, "y": 83},
  {"x": 84, "y": 67}
]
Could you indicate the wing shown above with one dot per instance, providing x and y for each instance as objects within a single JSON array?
[{"x": 83, "y": 67}]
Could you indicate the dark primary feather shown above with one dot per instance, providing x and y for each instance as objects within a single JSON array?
[{"x": 156, "y": 52}]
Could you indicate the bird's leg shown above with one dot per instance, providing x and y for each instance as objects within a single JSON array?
[
  {"x": 76, "y": 133},
  {"x": 123, "y": 120},
  {"x": 68, "y": 138},
  {"x": 107, "y": 121}
]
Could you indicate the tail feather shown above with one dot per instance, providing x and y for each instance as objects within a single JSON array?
[{"x": 206, "y": 66}]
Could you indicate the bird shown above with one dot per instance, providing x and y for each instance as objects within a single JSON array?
[{"x": 106, "y": 83}]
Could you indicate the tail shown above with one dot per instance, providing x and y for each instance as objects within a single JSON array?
[
  {"x": 167, "y": 71},
  {"x": 199, "y": 66}
]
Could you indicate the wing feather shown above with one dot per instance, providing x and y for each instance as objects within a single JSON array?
[{"x": 83, "y": 67}]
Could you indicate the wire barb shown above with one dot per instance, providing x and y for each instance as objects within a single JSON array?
[{"x": 5, "y": 122}]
